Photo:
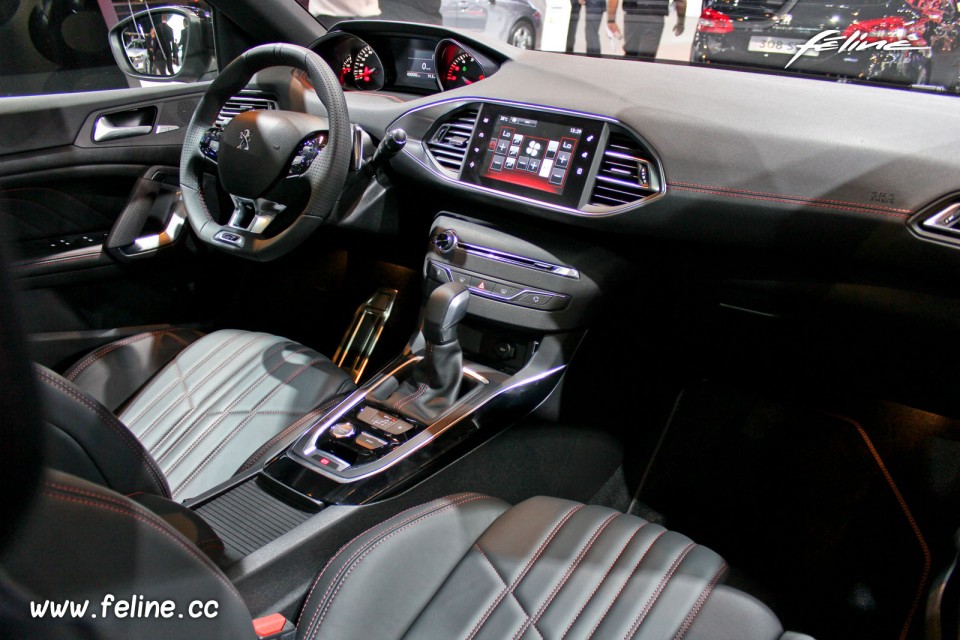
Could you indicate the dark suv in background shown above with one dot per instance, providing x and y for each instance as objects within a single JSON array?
[{"x": 757, "y": 33}]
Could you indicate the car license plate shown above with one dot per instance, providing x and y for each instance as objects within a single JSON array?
[{"x": 768, "y": 44}]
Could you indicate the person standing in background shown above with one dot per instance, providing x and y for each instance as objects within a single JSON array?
[
  {"x": 594, "y": 13},
  {"x": 643, "y": 22}
]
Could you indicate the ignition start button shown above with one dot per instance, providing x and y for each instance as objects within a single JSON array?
[{"x": 342, "y": 430}]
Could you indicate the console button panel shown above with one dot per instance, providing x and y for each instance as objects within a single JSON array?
[{"x": 509, "y": 292}]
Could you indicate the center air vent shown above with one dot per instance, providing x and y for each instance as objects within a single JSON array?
[
  {"x": 245, "y": 101},
  {"x": 625, "y": 176},
  {"x": 448, "y": 145}
]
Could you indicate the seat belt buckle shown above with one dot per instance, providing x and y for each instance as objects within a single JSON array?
[{"x": 274, "y": 627}]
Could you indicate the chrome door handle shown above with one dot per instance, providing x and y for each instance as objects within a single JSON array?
[{"x": 104, "y": 131}]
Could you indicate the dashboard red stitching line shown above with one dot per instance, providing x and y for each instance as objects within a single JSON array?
[
  {"x": 925, "y": 550},
  {"x": 784, "y": 195},
  {"x": 785, "y": 201}
]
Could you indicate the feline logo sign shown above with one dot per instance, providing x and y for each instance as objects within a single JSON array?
[{"x": 834, "y": 40}]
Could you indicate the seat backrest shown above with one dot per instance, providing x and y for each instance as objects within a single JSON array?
[{"x": 65, "y": 540}]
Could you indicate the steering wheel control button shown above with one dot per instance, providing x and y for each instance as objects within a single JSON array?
[
  {"x": 383, "y": 421},
  {"x": 228, "y": 237},
  {"x": 342, "y": 430},
  {"x": 210, "y": 143},
  {"x": 371, "y": 442}
]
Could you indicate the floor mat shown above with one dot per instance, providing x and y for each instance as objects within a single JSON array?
[{"x": 802, "y": 503}]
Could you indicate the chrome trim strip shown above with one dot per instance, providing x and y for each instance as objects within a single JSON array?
[
  {"x": 936, "y": 221},
  {"x": 510, "y": 258},
  {"x": 424, "y": 438},
  {"x": 603, "y": 212}
]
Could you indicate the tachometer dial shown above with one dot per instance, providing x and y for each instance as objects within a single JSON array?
[
  {"x": 346, "y": 70},
  {"x": 462, "y": 70},
  {"x": 368, "y": 72}
]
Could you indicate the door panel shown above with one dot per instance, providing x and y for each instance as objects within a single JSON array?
[{"x": 62, "y": 193}]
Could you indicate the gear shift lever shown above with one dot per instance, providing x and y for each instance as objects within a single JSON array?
[
  {"x": 446, "y": 307},
  {"x": 434, "y": 383}
]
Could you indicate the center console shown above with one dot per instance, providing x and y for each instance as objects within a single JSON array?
[{"x": 502, "y": 318}]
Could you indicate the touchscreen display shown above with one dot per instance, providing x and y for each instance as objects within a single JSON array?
[
  {"x": 525, "y": 152},
  {"x": 543, "y": 155}
]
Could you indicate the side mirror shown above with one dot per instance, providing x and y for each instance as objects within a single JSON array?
[{"x": 171, "y": 43}]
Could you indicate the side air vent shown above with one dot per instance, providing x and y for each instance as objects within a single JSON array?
[
  {"x": 245, "y": 101},
  {"x": 448, "y": 145},
  {"x": 626, "y": 176}
]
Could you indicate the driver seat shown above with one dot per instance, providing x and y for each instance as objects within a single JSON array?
[{"x": 175, "y": 412}]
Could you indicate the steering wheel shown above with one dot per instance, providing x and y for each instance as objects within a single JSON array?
[{"x": 259, "y": 150}]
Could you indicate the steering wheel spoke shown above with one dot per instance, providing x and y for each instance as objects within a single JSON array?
[{"x": 254, "y": 215}]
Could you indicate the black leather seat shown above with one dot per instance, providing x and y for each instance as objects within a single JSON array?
[
  {"x": 191, "y": 411},
  {"x": 465, "y": 566}
]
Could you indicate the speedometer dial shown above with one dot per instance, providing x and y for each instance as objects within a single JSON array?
[{"x": 368, "y": 72}]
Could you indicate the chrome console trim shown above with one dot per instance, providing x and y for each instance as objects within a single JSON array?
[
  {"x": 521, "y": 261},
  {"x": 306, "y": 445}
]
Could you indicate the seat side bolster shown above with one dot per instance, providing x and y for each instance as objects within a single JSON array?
[
  {"x": 394, "y": 569},
  {"x": 82, "y": 542},
  {"x": 80, "y": 425}
]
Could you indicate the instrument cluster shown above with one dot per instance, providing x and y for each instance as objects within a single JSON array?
[{"x": 403, "y": 63}]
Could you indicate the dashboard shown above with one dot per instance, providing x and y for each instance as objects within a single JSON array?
[{"x": 705, "y": 154}]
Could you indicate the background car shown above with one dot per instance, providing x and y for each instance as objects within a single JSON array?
[
  {"x": 757, "y": 33},
  {"x": 515, "y": 21}
]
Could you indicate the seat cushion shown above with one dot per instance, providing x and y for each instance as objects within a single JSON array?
[
  {"x": 114, "y": 372},
  {"x": 220, "y": 399},
  {"x": 469, "y": 566}
]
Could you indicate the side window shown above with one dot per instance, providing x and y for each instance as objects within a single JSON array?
[{"x": 62, "y": 46}]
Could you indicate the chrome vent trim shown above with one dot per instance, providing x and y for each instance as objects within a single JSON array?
[
  {"x": 626, "y": 176},
  {"x": 245, "y": 101},
  {"x": 946, "y": 221},
  {"x": 448, "y": 145}
]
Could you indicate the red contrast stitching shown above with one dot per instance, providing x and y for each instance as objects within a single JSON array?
[
  {"x": 157, "y": 525},
  {"x": 516, "y": 582},
  {"x": 603, "y": 579},
  {"x": 75, "y": 370},
  {"x": 695, "y": 611},
  {"x": 812, "y": 203},
  {"x": 652, "y": 600},
  {"x": 238, "y": 428},
  {"x": 569, "y": 572},
  {"x": 111, "y": 421},
  {"x": 623, "y": 586},
  {"x": 339, "y": 581},
  {"x": 784, "y": 195}
]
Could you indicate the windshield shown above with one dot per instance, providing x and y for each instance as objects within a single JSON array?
[{"x": 903, "y": 43}]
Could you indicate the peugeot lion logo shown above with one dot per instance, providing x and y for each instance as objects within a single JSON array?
[{"x": 244, "y": 140}]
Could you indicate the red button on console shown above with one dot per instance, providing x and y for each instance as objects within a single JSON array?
[{"x": 269, "y": 625}]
